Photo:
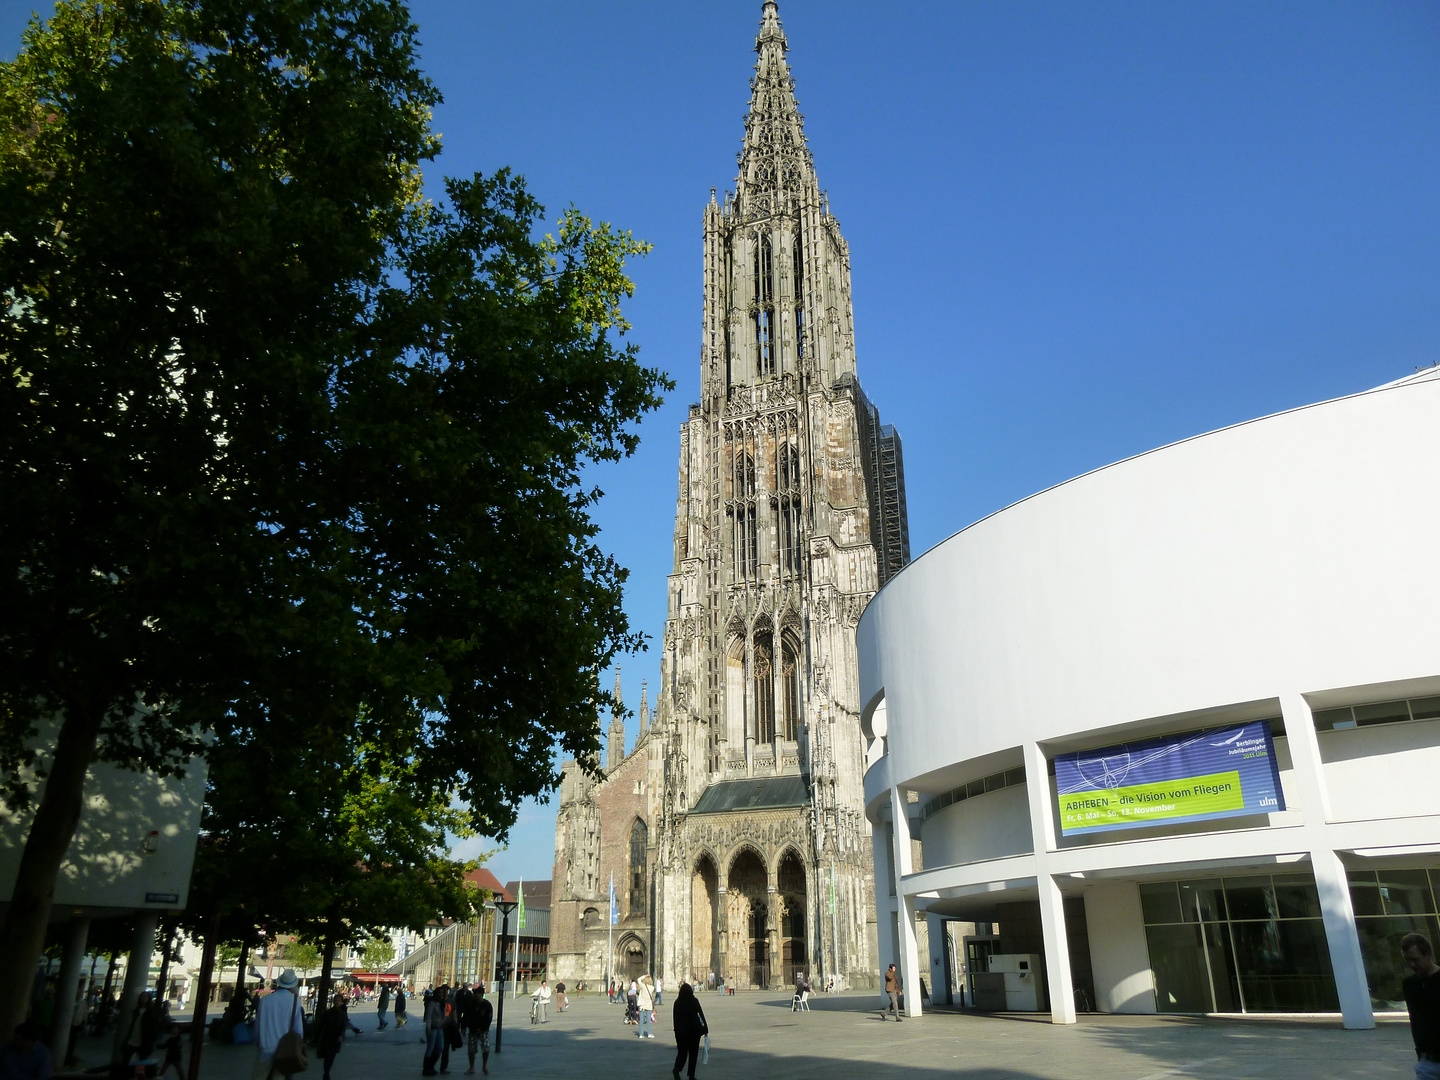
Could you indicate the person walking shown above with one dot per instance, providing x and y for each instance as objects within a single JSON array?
[
  {"x": 384, "y": 1004},
  {"x": 659, "y": 989},
  {"x": 542, "y": 1001},
  {"x": 436, "y": 1048},
  {"x": 892, "y": 989},
  {"x": 277, "y": 1014},
  {"x": 561, "y": 1001},
  {"x": 688, "y": 1020},
  {"x": 1422, "y": 1000},
  {"x": 400, "y": 1018},
  {"x": 477, "y": 1031},
  {"x": 645, "y": 999},
  {"x": 333, "y": 1026},
  {"x": 172, "y": 1051}
]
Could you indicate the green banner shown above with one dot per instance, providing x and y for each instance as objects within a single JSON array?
[{"x": 1215, "y": 793}]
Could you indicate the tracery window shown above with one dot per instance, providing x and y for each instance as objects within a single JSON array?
[
  {"x": 765, "y": 342},
  {"x": 638, "y": 836},
  {"x": 765, "y": 315},
  {"x": 790, "y": 689},
  {"x": 799, "y": 299},
  {"x": 764, "y": 692},
  {"x": 787, "y": 484},
  {"x": 746, "y": 537}
]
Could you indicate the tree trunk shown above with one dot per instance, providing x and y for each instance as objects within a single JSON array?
[
  {"x": 202, "y": 997},
  {"x": 247, "y": 939},
  {"x": 167, "y": 937},
  {"x": 327, "y": 957},
  {"x": 22, "y": 934},
  {"x": 103, "y": 1012}
]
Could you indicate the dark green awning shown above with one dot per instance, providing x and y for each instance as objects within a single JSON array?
[{"x": 765, "y": 794}]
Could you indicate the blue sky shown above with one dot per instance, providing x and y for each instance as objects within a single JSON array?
[{"x": 1078, "y": 231}]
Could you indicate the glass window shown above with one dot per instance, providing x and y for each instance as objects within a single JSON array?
[
  {"x": 1329, "y": 719},
  {"x": 1296, "y": 897},
  {"x": 975, "y": 787},
  {"x": 1159, "y": 902},
  {"x": 1250, "y": 898},
  {"x": 1365, "y": 893},
  {"x": 1015, "y": 776},
  {"x": 1202, "y": 901},
  {"x": 1425, "y": 708},
  {"x": 1385, "y": 712},
  {"x": 995, "y": 781},
  {"x": 1405, "y": 892},
  {"x": 1285, "y": 966},
  {"x": 1182, "y": 982},
  {"x": 1380, "y": 946}
]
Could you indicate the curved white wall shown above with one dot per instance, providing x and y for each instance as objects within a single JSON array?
[
  {"x": 1260, "y": 571},
  {"x": 1293, "y": 552}
]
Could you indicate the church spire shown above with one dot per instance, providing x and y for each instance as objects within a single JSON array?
[
  {"x": 774, "y": 157},
  {"x": 644, "y": 708},
  {"x": 615, "y": 742}
]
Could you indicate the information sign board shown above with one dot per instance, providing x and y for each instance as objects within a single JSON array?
[{"x": 1197, "y": 776}]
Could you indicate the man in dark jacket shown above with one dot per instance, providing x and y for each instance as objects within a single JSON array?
[
  {"x": 384, "y": 1004},
  {"x": 333, "y": 1026},
  {"x": 475, "y": 1019},
  {"x": 688, "y": 1020},
  {"x": 1422, "y": 999}
]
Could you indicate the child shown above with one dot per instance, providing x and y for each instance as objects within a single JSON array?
[{"x": 172, "y": 1051}]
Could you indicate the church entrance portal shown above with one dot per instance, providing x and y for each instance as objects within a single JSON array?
[
  {"x": 704, "y": 932},
  {"x": 749, "y": 921},
  {"x": 632, "y": 959},
  {"x": 790, "y": 883}
]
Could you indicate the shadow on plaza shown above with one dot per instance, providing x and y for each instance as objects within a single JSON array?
[{"x": 570, "y": 1053}]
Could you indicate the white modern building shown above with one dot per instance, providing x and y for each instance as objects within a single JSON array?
[{"x": 1283, "y": 573}]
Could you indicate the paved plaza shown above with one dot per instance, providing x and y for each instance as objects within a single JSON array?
[{"x": 756, "y": 1037}]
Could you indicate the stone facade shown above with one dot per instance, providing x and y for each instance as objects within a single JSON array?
[{"x": 791, "y": 513}]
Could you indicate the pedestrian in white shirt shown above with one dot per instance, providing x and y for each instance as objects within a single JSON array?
[{"x": 277, "y": 1013}]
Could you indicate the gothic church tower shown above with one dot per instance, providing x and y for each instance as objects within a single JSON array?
[{"x": 791, "y": 513}]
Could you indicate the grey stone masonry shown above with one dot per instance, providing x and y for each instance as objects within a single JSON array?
[{"x": 790, "y": 515}]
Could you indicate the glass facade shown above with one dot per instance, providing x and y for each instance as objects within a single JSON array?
[
  {"x": 1388, "y": 905},
  {"x": 1238, "y": 944},
  {"x": 1257, "y": 943}
]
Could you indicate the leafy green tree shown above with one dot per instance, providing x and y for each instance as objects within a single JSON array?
[
  {"x": 378, "y": 953},
  {"x": 280, "y": 439}
]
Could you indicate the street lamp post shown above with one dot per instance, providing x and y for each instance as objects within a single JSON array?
[{"x": 505, "y": 906}]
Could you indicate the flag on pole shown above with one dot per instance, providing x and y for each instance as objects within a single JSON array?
[
  {"x": 614, "y": 911},
  {"x": 520, "y": 895},
  {"x": 832, "y": 888}
]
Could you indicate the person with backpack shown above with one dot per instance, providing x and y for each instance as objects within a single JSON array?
[{"x": 278, "y": 1017}]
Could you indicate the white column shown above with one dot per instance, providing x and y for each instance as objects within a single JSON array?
[
  {"x": 76, "y": 931},
  {"x": 884, "y": 899},
  {"x": 939, "y": 985},
  {"x": 1346, "y": 959},
  {"x": 1052, "y": 904},
  {"x": 137, "y": 976},
  {"x": 905, "y": 910}
]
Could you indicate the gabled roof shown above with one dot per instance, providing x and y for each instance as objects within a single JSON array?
[
  {"x": 537, "y": 893},
  {"x": 484, "y": 879},
  {"x": 768, "y": 793}
]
